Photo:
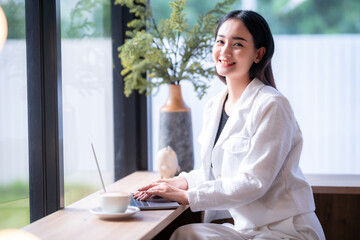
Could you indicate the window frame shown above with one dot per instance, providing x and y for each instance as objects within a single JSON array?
[
  {"x": 43, "y": 50},
  {"x": 130, "y": 113}
]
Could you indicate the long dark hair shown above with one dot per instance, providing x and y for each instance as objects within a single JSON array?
[{"x": 260, "y": 31}]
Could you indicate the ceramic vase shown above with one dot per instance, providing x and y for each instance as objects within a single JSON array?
[{"x": 176, "y": 128}]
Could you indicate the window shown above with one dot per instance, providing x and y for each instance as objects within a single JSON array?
[
  {"x": 32, "y": 109},
  {"x": 14, "y": 168},
  {"x": 87, "y": 96},
  {"x": 315, "y": 66}
]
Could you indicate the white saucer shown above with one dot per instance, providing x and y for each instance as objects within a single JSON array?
[{"x": 100, "y": 213}]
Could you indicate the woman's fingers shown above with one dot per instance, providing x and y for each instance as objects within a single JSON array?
[
  {"x": 137, "y": 194},
  {"x": 141, "y": 195},
  {"x": 143, "y": 192},
  {"x": 144, "y": 196}
]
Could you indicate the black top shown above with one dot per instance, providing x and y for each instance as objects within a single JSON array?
[{"x": 223, "y": 120}]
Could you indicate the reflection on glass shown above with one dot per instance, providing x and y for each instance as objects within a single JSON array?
[
  {"x": 14, "y": 169},
  {"x": 87, "y": 95}
]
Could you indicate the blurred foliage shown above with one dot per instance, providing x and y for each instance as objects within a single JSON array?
[
  {"x": 193, "y": 9},
  {"x": 91, "y": 18},
  {"x": 15, "y": 16},
  {"x": 14, "y": 191},
  {"x": 311, "y": 16},
  {"x": 14, "y": 214},
  {"x": 14, "y": 205},
  {"x": 87, "y": 18}
]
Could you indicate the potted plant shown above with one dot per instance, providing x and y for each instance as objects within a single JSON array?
[{"x": 169, "y": 52}]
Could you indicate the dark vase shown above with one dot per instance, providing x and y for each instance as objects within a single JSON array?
[{"x": 176, "y": 128}]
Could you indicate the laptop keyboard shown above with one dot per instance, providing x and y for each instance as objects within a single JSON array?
[{"x": 138, "y": 203}]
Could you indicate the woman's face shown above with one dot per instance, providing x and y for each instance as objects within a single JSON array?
[{"x": 234, "y": 51}]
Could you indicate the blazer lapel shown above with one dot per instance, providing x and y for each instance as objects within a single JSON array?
[
  {"x": 212, "y": 114},
  {"x": 239, "y": 116}
]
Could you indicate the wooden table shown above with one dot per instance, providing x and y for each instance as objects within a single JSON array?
[
  {"x": 76, "y": 222},
  {"x": 334, "y": 183},
  {"x": 337, "y": 200}
]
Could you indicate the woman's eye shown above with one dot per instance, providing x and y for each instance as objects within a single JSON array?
[
  {"x": 220, "y": 41},
  {"x": 238, "y": 44}
]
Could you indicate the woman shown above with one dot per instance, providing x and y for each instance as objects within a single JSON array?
[{"x": 250, "y": 148}]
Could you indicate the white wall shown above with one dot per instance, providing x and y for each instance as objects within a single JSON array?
[{"x": 321, "y": 77}]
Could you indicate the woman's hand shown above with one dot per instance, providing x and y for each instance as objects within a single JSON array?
[
  {"x": 172, "y": 189},
  {"x": 178, "y": 182}
]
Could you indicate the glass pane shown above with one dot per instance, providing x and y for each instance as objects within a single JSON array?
[
  {"x": 315, "y": 66},
  {"x": 87, "y": 96},
  {"x": 14, "y": 169}
]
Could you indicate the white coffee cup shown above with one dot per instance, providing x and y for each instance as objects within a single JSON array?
[{"x": 114, "y": 202}]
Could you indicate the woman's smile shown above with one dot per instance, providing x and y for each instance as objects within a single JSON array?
[{"x": 226, "y": 63}]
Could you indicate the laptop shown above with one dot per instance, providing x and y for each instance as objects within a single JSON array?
[{"x": 154, "y": 203}]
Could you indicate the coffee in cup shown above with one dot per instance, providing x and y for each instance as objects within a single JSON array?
[{"x": 114, "y": 202}]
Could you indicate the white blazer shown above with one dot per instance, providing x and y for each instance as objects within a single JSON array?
[{"x": 255, "y": 160}]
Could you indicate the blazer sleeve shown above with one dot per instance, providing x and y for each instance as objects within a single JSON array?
[
  {"x": 194, "y": 178},
  {"x": 270, "y": 144}
]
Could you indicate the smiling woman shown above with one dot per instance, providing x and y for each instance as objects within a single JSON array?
[{"x": 252, "y": 167}]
